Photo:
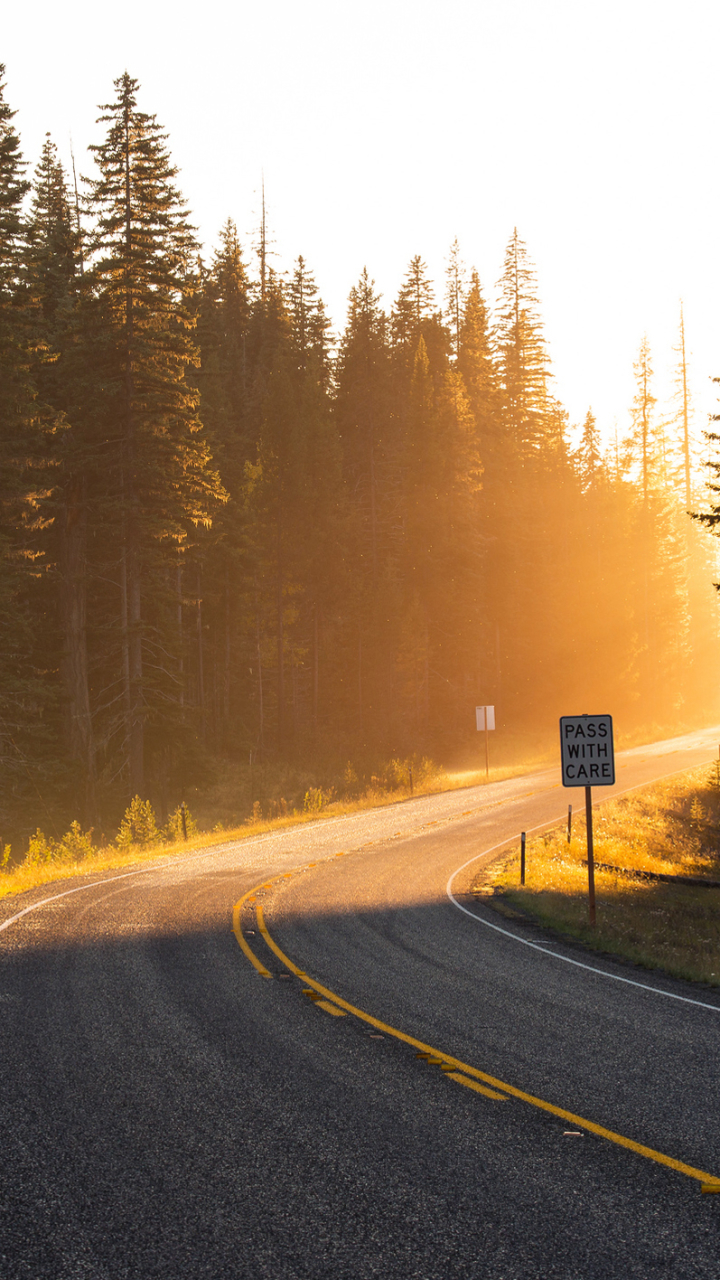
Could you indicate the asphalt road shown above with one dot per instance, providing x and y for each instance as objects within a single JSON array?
[{"x": 168, "y": 1112}]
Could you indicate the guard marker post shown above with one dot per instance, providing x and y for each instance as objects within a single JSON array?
[
  {"x": 485, "y": 719},
  {"x": 569, "y": 823},
  {"x": 588, "y": 759},
  {"x": 522, "y": 857}
]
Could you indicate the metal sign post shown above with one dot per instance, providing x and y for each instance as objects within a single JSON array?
[
  {"x": 588, "y": 759},
  {"x": 485, "y": 719}
]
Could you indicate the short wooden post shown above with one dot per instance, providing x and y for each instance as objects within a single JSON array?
[
  {"x": 522, "y": 857},
  {"x": 591, "y": 855},
  {"x": 569, "y": 823}
]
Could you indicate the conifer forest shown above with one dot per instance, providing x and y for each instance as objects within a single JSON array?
[{"x": 228, "y": 534}]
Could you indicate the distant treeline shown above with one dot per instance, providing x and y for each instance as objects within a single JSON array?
[{"x": 223, "y": 532}]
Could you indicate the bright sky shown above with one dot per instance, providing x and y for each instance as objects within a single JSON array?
[{"x": 385, "y": 129}]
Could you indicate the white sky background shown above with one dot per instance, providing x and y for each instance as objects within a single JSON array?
[{"x": 387, "y": 129}]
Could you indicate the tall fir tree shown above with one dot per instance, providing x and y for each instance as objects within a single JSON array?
[
  {"x": 28, "y": 694},
  {"x": 160, "y": 482},
  {"x": 524, "y": 360}
]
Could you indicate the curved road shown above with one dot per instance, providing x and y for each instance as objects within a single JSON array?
[{"x": 169, "y": 1112}]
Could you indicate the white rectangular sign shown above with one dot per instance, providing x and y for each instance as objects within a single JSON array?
[
  {"x": 586, "y": 746},
  {"x": 483, "y": 714}
]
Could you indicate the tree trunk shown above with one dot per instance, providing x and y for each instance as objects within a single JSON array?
[
  {"x": 226, "y": 666},
  {"x": 200, "y": 657},
  {"x": 79, "y": 732},
  {"x": 280, "y": 642},
  {"x": 131, "y": 550},
  {"x": 315, "y": 672}
]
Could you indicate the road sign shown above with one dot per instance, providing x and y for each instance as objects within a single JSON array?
[
  {"x": 485, "y": 719},
  {"x": 586, "y": 745}
]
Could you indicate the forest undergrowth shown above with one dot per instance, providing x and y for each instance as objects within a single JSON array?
[{"x": 670, "y": 828}]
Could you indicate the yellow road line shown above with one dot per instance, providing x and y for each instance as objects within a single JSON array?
[
  {"x": 330, "y": 1008},
  {"x": 709, "y": 1180},
  {"x": 237, "y": 930},
  {"x": 473, "y": 1084}
]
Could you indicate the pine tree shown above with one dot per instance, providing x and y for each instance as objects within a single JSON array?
[
  {"x": 477, "y": 362},
  {"x": 455, "y": 294},
  {"x": 28, "y": 690},
  {"x": 160, "y": 482},
  {"x": 52, "y": 272},
  {"x": 413, "y": 308},
  {"x": 683, "y": 402},
  {"x": 524, "y": 362},
  {"x": 224, "y": 379},
  {"x": 644, "y": 443},
  {"x": 589, "y": 452},
  {"x": 309, "y": 323}
]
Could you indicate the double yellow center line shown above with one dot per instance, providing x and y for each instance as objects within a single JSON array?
[{"x": 462, "y": 1072}]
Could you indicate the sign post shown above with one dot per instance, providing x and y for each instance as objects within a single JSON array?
[
  {"x": 485, "y": 719},
  {"x": 588, "y": 759}
]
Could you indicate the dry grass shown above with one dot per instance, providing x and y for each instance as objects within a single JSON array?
[
  {"x": 31, "y": 875},
  {"x": 672, "y": 827}
]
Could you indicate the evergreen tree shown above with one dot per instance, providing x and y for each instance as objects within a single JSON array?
[
  {"x": 644, "y": 445},
  {"x": 224, "y": 379},
  {"x": 27, "y": 688},
  {"x": 159, "y": 478},
  {"x": 589, "y": 453},
  {"x": 455, "y": 293},
  {"x": 52, "y": 273},
  {"x": 524, "y": 362},
  {"x": 683, "y": 413},
  {"x": 412, "y": 312}
]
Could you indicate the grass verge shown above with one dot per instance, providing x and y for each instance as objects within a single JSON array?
[
  {"x": 672, "y": 828},
  {"x": 32, "y": 873}
]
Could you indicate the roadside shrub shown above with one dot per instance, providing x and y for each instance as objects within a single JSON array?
[
  {"x": 316, "y": 799},
  {"x": 40, "y": 849},
  {"x": 139, "y": 825},
  {"x": 76, "y": 844},
  {"x": 351, "y": 782},
  {"x": 173, "y": 830},
  {"x": 397, "y": 772}
]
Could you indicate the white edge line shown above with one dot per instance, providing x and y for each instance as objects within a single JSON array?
[
  {"x": 160, "y": 866},
  {"x": 603, "y": 973},
  {"x": 94, "y": 884}
]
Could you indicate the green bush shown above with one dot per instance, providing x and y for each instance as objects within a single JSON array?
[
  {"x": 76, "y": 844},
  {"x": 173, "y": 830},
  {"x": 139, "y": 826},
  {"x": 40, "y": 849}
]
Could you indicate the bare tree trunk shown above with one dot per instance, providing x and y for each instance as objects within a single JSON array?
[
  {"x": 226, "y": 665},
  {"x": 360, "y": 685},
  {"x": 75, "y": 663},
  {"x": 200, "y": 657},
  {"x": 280, "y": 641},
  {"x": 261, "y": 702},
  {"x": 373, "y": 511},
  {"x": 426, "y": 678},
  {"x": 181, "y": 662},
  {"x": 685, "y": 412},
  {"x": 131, "y": 550},
  {"x": 315, "y": 672},
  {"x": 137, "y": 718}
]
